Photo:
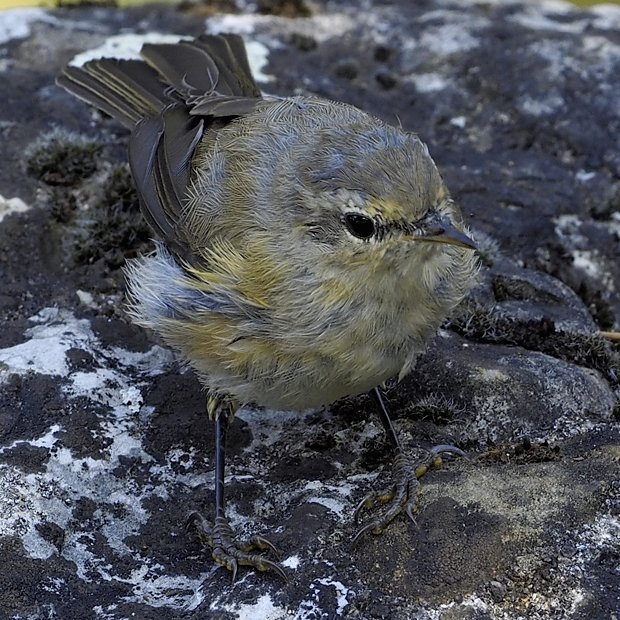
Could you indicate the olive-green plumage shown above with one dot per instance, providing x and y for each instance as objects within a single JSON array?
[{"x": 307, "y": 249}]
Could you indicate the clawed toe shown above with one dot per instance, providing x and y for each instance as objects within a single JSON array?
[
  {"x": 372, "y": 499},
  {"x": 230, "y": 552},
  {"x": 402, "y": 495}
]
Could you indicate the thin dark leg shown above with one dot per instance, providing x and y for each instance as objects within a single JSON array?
[
  {"x": 219, "y": 536},
  {"x": 400, "y": 496},
  {"x": 221, "y": 426},
  {"x": 390, "y": 431}
]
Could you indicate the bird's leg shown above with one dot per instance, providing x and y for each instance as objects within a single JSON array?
[
  {"x": 401, "y": 495},
  {"x": 219, "y": 536}
]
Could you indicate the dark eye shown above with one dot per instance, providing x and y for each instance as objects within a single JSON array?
[{"x": 359, "y": 225}]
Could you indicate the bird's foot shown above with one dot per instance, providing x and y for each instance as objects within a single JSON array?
[
  {"x": 402, "y": 494},
  {"x": 230, "y": 552}
]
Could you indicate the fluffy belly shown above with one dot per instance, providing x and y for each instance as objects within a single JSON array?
[{"x": 257, "y": 371}]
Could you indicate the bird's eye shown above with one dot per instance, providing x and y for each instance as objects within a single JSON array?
[{"x": 359, "y": 225}]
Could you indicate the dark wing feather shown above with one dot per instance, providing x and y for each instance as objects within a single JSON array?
[
  {"x": 127, "y": 90},
  {"x": 187, "y": 68},
  {"x": 160, "y": 152},
  {"x": 143, "y": 149},
  {"x": 228, "y": 53},
  {"x": 239, "y": 60},
  {"x": 222, "y": 107},
  {"x": 169, "y": 101}
]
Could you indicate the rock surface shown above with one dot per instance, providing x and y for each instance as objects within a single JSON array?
[{"x": 104, "y": 446}]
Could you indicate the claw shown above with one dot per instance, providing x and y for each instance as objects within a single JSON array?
[
  {"x": 362, "y": 530},
  {"x": 269, "y": 565},
  {"x": 230, "y": 552},
  {"x": 374, "y": 497},
  {"x": 447, "y": 449},
  {"x": 203, "y": 528},
  {"x": 402, "y": 496},
  {"x": 363, "y": 504},
  {"x": 409, "y": 510},
  {"x": 258, "y": 542}
]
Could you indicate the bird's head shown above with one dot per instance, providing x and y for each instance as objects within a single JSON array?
[{"x": 371, "y": 196}]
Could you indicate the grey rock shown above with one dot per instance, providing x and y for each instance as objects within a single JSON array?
[
  {"x": 497, "y": 590},
  {"x": 104, "y": 446}
]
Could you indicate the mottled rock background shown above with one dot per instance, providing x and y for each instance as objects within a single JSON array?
[{"x": 104, "y": 447}]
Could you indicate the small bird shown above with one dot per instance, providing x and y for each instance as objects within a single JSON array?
[{"x": 305, "y": 249}]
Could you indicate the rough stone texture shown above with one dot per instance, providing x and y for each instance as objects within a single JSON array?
[{"x": 104, "y": 447}]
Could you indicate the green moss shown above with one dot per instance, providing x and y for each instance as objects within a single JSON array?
[
  {"x": 436, "y": 408},
  {"x": 61, "y": 158},
  {"x": 483, "y": 324},
  {"x": 113, "y": 229}
]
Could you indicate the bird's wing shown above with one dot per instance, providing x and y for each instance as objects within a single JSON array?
[{"x": 168, "y": 101}]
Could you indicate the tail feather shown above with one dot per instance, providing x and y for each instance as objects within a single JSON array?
[
  {"x": 168, "y": 100},
  {"x": 229, "y": 54},
  {"x": 189, "y": 70},
  {"x": 127, "y": 90},
  {"x": 209, "y": 72}
]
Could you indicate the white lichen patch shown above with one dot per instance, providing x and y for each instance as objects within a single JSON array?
[
  {"x": 151, "y": 586},
  {"x": 452, "y": 37},
  {"x": 291, "y": 562},
  {"x": 45, "y": 352},
  {"x": 320, "y": 27},
  {"x": 28, "y": 500},
  {"x": 11, "y": 205},
  {"x": 267, "y": 425},
  {"x": 534, "y": 17},
  {"x": 124, "y": 46},
  {"x": 541, "y": 106},
  {"x": 312, "y": 606},
  {"x": 471, "y": 602},
  {"x": 429, "y": 82},
  {"x": 17, "y": 23},
  {"x": 583, "y": 176},
  {"x": 258, "y": 57},
  {"x": 341, "y": 593},
  {"x": 493, "y": 374},
  {"x": 607, "y": 16},
  {"x": 264, "y": 608},
  {"x": 493, "y": 417},
  {"x": 586, "y": 258},
  {"x": 543, "y": 15},
  {"x": 592, "y": 539},
  {"x": 335, "y": 506},
  {"x": 334, "y": 498},
  {"x": 86, "y": 298}
]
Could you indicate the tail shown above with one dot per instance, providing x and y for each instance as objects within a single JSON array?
[
  {"x": 210, "y": 75},
  {"x": 167, "y": 101}
]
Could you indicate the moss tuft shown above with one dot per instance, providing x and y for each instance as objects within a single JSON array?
[{"x": 61, "y": 158}]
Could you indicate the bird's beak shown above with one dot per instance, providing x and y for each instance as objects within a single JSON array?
[{"x": 439, "y": 229}]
